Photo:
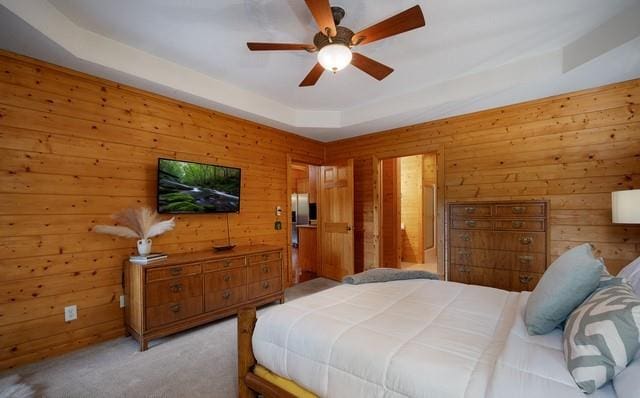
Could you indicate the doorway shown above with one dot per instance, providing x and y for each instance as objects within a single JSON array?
[
  {"x": 302, "y": 221},
  {"x": 407, "y": 212}
]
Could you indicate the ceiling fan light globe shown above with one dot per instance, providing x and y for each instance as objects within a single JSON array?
[{"x": 334, "y": 57}]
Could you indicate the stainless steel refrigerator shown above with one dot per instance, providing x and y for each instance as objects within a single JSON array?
[{"x": 299, "y": 214}]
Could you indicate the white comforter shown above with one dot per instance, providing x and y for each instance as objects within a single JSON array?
[{"x": 416, "y": 338}]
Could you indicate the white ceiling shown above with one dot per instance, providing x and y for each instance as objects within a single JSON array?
[{"x": 470, "y": 56}]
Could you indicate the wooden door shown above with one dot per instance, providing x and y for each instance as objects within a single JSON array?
[
  {"x": 390, "y": 197},
  {"x": 336, "y": 220}
]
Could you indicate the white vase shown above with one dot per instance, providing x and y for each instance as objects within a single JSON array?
[{"x": 144, "y": 247}]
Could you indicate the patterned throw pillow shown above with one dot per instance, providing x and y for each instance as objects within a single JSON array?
[{"x": 602, "y": 335}]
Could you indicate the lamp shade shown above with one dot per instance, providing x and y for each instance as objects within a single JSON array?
[
  {"x": 334, "y": 57},
  {"x": 625, "y": 207}
]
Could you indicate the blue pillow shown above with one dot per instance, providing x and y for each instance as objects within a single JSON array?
[{"x": 564, "y": 286}]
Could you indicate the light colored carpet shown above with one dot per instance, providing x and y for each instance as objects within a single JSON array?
[{"x": 201, "y": 362}]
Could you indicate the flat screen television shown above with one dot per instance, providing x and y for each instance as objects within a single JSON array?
[{"x": 189, "y": 187}]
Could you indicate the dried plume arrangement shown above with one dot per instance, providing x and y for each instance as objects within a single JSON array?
[{"x": 139, "y": 223}]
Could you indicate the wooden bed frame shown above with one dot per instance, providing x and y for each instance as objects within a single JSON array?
[{"x": 250, "y": 385}]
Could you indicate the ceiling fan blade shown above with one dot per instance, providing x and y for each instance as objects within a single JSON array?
[
  {"x": 279, "y": 46},
  {"x": 405, "y": 21},
  {"x": 321, "y": 11},
  {"x": 313, "y": 76},
  {"x": 374, "y": 68}
]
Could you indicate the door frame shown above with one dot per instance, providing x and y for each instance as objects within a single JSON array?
[
  {"x": 438, "y": 149},
  {"x": 291, "y": 158}
]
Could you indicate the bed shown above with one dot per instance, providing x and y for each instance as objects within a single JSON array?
[{"x": 414, "y": 338}]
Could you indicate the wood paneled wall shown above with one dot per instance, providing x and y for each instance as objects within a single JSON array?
[
  {"x": 572, "y": 149},
  {"x": 73, "y": 150},
  {"x": 411, "y": 208}
]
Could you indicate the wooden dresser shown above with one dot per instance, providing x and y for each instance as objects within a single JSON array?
[
  {"x": 499, "y": 244},
  {"x": 190, "y": 289}
]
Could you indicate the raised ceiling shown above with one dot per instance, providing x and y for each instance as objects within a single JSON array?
[{"x": 470, "y": 56}]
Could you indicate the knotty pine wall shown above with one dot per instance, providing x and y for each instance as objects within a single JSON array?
[
  {"x": 73, "y": 150},
  {"x": 411, "y": 208},
  {"x": 572, "y": 149}
]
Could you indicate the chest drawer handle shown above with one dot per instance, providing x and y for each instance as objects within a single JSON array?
[
  {"x": 265, "y": 285},
  {"x": 175, "y": 308},
  {"x": 175, "y": 271},
  {"x": 464, "y": 269},
  {"x": 470, "y": 223},
  {"x": 227, "y": 278},
  {"x": 470, "y": 210},
  {"x": 226, "y": 295},
  {"x": 265, "y": 256},
  {"x": 226, "y": 263},
  {"x": 527, "y": 260},
  {"x": 465, "y": 237},
  {"x": 517, "y": 210},
  {"x": 526, "y": 240},
  {"x": 176, "y": 288},
  {"x": 517, "y": 224},
  {"x": 265, "y": 269},
  {"x": 525, "y": 279}
]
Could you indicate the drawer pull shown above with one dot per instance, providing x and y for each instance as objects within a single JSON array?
[
  {"x": 226, "y": 263},
  {"x": 470, "y": 223},
  {"x": 175, "y": 271},
  {"x": 226, "y": 295},
  {"x": 470, "y": 210},
  {"x": 526, "y": 240},
  {"x": 227, "y": 278},
  {"x": 465, "y": 237},
  {"x": 265, "y": 256},
  {"x": 175, "y": 308},
  {"x": 176, "y": 288},
  {"x": 265, "y": 285},
  {"x": 464, "y": 269},
  {"x": 517, "y": 224},
  {"x": 517, "y": 210},
  {"x": 525, "y": 278},
  {"x": 265, "y": 269},
  {"x": 526, "y": 260}
]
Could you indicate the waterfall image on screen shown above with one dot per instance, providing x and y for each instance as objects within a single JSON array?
[{"x": 187, "y": 187}]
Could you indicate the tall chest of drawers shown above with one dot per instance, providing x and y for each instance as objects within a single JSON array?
[
  {"x": 498, "y": 244},
  {"x": 191, "y": 289}
]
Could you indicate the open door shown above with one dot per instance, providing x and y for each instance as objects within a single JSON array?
[{"x": 336, "y": 220}]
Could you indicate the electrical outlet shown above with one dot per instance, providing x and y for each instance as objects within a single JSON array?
[
  {"x": 70, "y": 313},
  {"x": 122, "y": 301}
]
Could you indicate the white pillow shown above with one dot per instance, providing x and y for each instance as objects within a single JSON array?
[
  {"x": 632, "y": 274},
  {"x": 627, "y": 383}
]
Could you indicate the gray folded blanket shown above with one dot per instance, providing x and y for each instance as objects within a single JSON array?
[{"x": 387, "y": 274}]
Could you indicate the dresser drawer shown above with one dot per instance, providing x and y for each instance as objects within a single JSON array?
[
  {"x": 228, "y": 263},
  {"x": 227, "y": 279},
  {"x": 520, "y": 261},
  {"x": 164, "y": 314},
  {"x": 519, "y": 225},
  {"x": 259, "y": 258},
  {"x": 472, "y": 224},
  {"x": 524, "y": 281},
  {"x": 473, "y": 257},
  {"x": 175, "y": 271},
  {"x": 520, "y": 241},
  {"x": 224, "y": 298},
  {"x": 172, "y": 290},
  {"x": 470, "y": 211},
  {"x": 264, "y": 271},
  {"x": 520, "y": 210},
  {"x": 468, "y": 238},
  {"x": 263, "y": 288}
]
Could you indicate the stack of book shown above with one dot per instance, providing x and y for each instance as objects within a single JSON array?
[{"x": 149, "y": 258}]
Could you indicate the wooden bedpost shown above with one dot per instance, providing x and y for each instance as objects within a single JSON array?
[{"x": 246, "y": 360}]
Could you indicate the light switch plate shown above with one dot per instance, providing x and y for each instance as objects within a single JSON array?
[
  {"x": 122, "y": 301},
  {"x": 70, "y": 313}
]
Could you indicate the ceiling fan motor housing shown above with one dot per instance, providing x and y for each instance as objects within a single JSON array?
[{"x": 343, "y": 36}]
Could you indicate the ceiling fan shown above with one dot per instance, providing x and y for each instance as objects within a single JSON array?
[{"x": 333, "y": 43}]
